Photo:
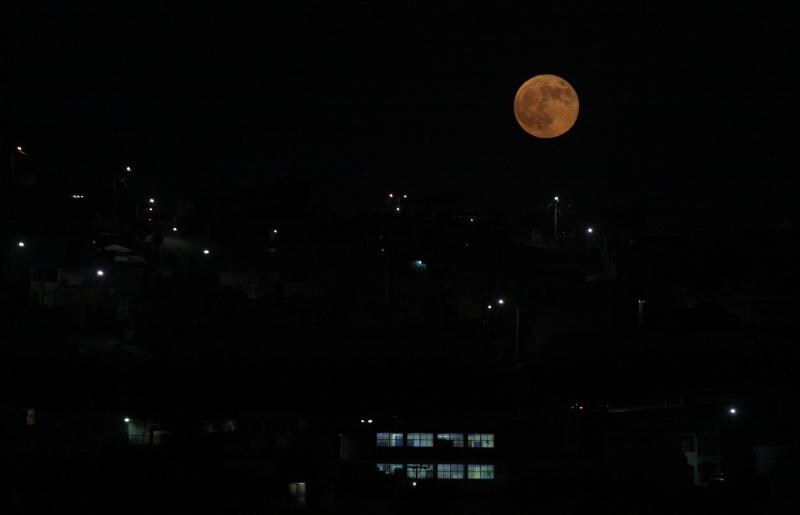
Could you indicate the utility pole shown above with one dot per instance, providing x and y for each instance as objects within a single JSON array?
[
  {"x": 516, "y": 337},
  {"x": 386, "y": 282},
  {"x": 555, "y": 218}
]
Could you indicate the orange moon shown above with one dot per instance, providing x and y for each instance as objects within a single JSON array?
[{"x": 546, "y": 106}]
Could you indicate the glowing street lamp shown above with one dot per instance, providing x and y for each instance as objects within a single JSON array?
[
  {"x": 152, "y": 200},
  {"x": 174, "y": 229},
  {"x": 20, "y": 244},
  {"x": 555, "y": 218},
  {"x": 119, "y": 178},
  {"x": 14, "y": 153},
  {"x": 590, "y": 230},
  {"x": 501, "y": 302},
  {"x": 100, "y": 272},
  {"x": 206, "y": 252},
  {"x": 126, "y": 420},
  {"x": 732, "y": 411},
  {"x": 640, "y": 304}
]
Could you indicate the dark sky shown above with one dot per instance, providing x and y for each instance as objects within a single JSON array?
[{"x": 681, "y": 109}]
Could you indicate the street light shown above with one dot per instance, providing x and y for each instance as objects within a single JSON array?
[
  {"x": 732, "y": 411},
  {"x": 502, "y": 302},
  {"x": 152, "y": 200},
  {"x": 174, "y": 229},
  {"x": 100, "y": 272},
  {"x": 14, "y": 153},
  {"x": 127, "y": 420},
  {"x": 555, "y": 219},
  {"x": 640, "y": 303},
  {"x": 20, "y": 244},
  {"x": 118, "y": 178},
  {"x": 206, "y": 252},
  {"x": 598, "y": 238}
]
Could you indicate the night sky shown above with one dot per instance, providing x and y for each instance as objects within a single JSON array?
[{"x": 686, "y": 112}]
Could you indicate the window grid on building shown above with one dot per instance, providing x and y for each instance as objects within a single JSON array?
[
  {"x": 480, "y": 471},
  {"x": 420, "y": 439},
  {"x": 480, "y": 440},
  {"x": 455, "y": 439},
  {"x": 450, "y": 471},
  {"x": 389, "y": 439},
  {"x": 419, "y": 471},
  {"x": 390, "y": 469}
]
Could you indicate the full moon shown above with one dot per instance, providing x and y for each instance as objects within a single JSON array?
[{"x": 546, "y": 106}]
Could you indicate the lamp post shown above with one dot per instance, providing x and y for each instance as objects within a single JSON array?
[
  {"x": 17, "y": 150},
  {"x": 555, "y": 218},
  {"x": 608, "y": 266},
  {"x": 120, "y": 177},
  {"x": 502, "y": 302}
]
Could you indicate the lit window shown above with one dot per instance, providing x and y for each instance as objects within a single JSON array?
[
  {"x": 480, "y": 471},
  {"x": 389, "y": 439},
  {"x": 420, "y": 439},
  {"x": 450, "y": 439},
  {"x": 390, "y": 469},
  {"x": 480, "y": 440},
  {"x": 450, "y": 471},
  {"x": 417, "y": 471}
]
